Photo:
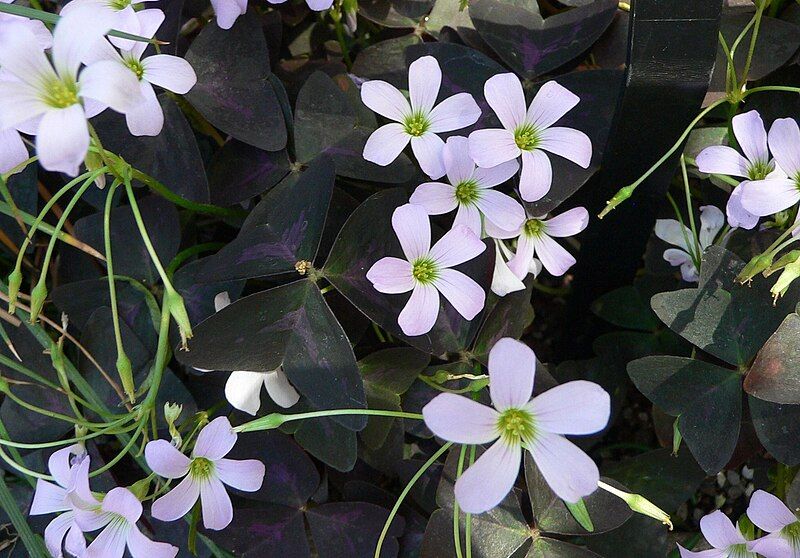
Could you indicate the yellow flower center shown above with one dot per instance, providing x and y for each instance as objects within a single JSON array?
[
  {"x": 424, "y": 270},
  {"x": 416, "y": 124},
  {"x": 516, "y": 425},
  {"x": 61, "y": 93},
  {"x": 526, "y": 137}
]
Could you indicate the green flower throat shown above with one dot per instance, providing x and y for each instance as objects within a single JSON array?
[
  {"x": 201, "y": 468},
  {"x": 516, "y": 425},
  {"x": 526, "y": 136},
  {"x": 467, "y": 192},
  {"x": 416, "y": 124},
  {"x": 424, "y": 270}
]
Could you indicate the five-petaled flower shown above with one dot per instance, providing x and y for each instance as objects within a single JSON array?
[
  {"x": 776, "y": 193},
  {"x": 772, "y": 516},
  {"x": 535, "y": 238},
  {"x": 426, "y": 271},
  {"x": 689, "y": 249},
  {"x": 471, "y": 191},
  {"x": 419, "y": 121},
  {"x": 529, "y": 133},
  {"x": 170, "y": 72},
  {"x": 748, "y": 128},
  {"x": 518, "y": 421},
  {"x": 727, "y": 540},
  {"x": 206, "y": 474},
  {"x": 53, "y": 100}
]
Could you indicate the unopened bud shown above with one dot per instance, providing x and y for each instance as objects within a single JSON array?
[
  {"x": 757, "y": 265},
  {"x": 14, "y": 283},
  {"x": 177, "y": 310},
  {"x": 125, "y": 371},
  {"x": 94, "y": 162},
  {"x": 787, "y": 277},
  {"x": 639, "y": 504},
  {"x": 38, "y": 296},
  {"x": 783, "y": 261},
  {"x": 171, "y": 413},
  {"x": 622, "y": 194},
  {"x": 268, "y": 422}
]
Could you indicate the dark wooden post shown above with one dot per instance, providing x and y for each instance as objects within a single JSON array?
[{"x": 671, "y": 51}]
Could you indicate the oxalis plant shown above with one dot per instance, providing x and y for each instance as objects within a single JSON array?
[{"x": 277, "y": 276}]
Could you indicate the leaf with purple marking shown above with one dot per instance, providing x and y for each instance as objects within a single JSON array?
[{"x": 240, "y": 171}]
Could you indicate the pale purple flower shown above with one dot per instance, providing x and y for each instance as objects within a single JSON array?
[
  {"x": 536, "y": 241},
  {"x": 471, "y": 191},
  {"x": 419, "y": 121},
  {"x": 673, "y": 232},
  {"x": 774, "y": 194},
  {"x": 169, "y": 72},
  {"x": 206, "y": 474},
  {"x": 771, "y": 515},
  {"x": 516, "y": 422},
  {"x": 748, "y": 128},
  {"x": 228, "y": 11},
  {"x": 529, "y": 133},
  {"x": 49, "y": 97},
  {"x": 117, "y": 515},
  {"x": 727, "y": 540},
  {"x": 316, "y": 5},
  {"x": 243, "y": 388},
  {"x": 122, "y": 16},
  {"x": 426, "y": 271},
  {"x": 38, "y": 28},
  {"x": 12, "y": 150},
  {"x": 54, "y": 498}
]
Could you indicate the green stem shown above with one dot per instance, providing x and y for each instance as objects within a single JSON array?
[
  {"x": 690, "y": 209},
  {"x": 435, "y": 457},
  {"x": 53, "y": 19},
  {"x": 456, "y": 523},
  {"x": 33, "y": 543},
  {"x": 468, "y": 516},
  {"x": 189, "y": 252},
  {"x": 14, "y": 452},
  {"x": 274, "y": 420},
  {"x": 757, "y": 19},
  {"x": 169, "y": 195}
]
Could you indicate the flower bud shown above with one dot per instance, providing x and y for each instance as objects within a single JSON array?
[
  {"x": 177, "y": 309},
  {"x": 783, "y": 261},
  {"x": 94, "y": 162},
  {"x": 755, "y": 266},
  {"x": 639, "y": 504},
  {"x": 622, "y": 194},
  {"x": 125, "y": 371},
  {"x": 268, "y": 422},
  {"x": 171, "y": 413},
  {"x": 788, "y": 275},
  {"x": 14, "y": 283},
  {"x": 38, "y": 296}
]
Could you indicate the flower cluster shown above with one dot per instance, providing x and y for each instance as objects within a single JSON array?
[
  {"x": 205, "y": 475},
  {"x": 474, "y": 167},
  {"x": 53, "y": 96},
  {"x": 768, "y": 513}
]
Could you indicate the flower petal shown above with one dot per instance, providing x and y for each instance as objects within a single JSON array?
[
  {"x": 242, "y": 474},
  {"x": 489, "y": 148},
  {"x": 457, "y": 162},
  {"x": 569, "y": 143},
  {"x": 719, "y": 531},
  {"x": 63, "y": 140},
  {"x": 672, "y": 232},
  {"x": 768, "y": 513},
  {"x": 555, "y": 258},
  {"x": 771, "y": 547},
  {"x": 711, "y": 553},
  {"x": 721, "y": 159},
  {"x": 21, "y": 56},
  {"x": 166, "y": 460},
  {"x": 420, "y": 312},
  {"x": 280, "y": 390},
  {"x": 466, "y": 296},
  {"x": 503, "y": 279},
  {"x": 458, "y": 245},
  {"x": 121, "y": 501},
  {"x": 784, "y": 142},
  {"x": 576, "y": 408},
  {"x": 112, "y": 84},
  {"x": 177, "y": 502},
  {"x": 147, "y": 117},
  {"x": 319, "y": 5},
  {"x": 216, "y": 504},
  {"x": 59, "y": 464},
  {"x": 385, "y": 144},
  {"x": 389, "y": 276},
  {"x": 765, "y": 197},
  {"x": 149, "y": 22},
  {"x": 461, "y": 420},
  {"x": 737, "y": 215},
  {"x": 751, "y": 135},
  {"x": 502, "y": 210},
  {"x": 427, "y": 149},
  {"x": 454, "y": 113},
  {"x": 568, "y": 223},
  {"x": 551, "y": 102},
  {"x": 536, "y": 176},
  {"x": 142, "y": 547},
  {"x": 711, "y": 222},
  {"x": 55, "y": 532},
  {"x": 484, "y": 485},
  {"x": 435, "y": 197},
  {"x": 170, "y": 72},
  {"x": 215, "y": 440},
  {"x": 385, "y": 99},
  {"x": 676, "y": 256},
  {"x": 520, "y": 262},
  {"x": 469, "y": 216},
  {"x": 76, "y": 33},
  {"x": 49, "y": 498},
  {"x": 424, "y": 80},
  {"x": 243, "y": 390},
  {"x": 110, "y": 543},
  {"x": 227, "y": 11},
  {"x": 570, "y": 473},
  {"x": 496, "y": 175},
  {"x": 21, "y": 103},
  {"x": 512, "y": 367},
  {"x": 413, "y": 229},
  {"x": 504, "y": 94},
  {"x": 75, "y": 542}
]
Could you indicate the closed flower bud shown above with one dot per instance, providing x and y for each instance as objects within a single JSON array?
[
  {"x": 14, "y": 283},
  {"x": 177, "y": 310},
  {"x": 789, "y": 274},
  {"x": 38, "y": 296},
  {"x": 757, "y": 265}
]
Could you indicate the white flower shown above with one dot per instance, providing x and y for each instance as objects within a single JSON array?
[
  {"x": 672, "y": 232},
  {"x": 52, "y": 99},
  {"x": 504, "y": 280},
  {"x": 419, "y": 121},
  {"x": 38, "y": 28},
  {"x": 170, "y": 72},
  {"x": 121, "y": 14}
]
